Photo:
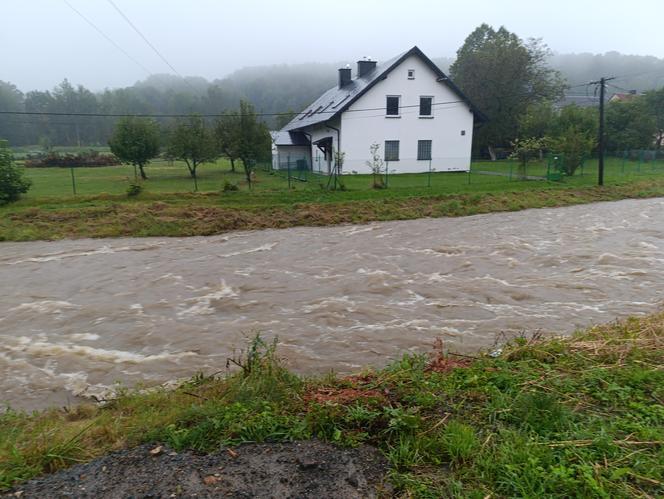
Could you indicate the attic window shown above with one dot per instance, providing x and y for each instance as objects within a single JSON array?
[{"x": 411, "y": 74}]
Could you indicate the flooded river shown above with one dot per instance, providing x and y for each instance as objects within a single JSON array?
[{"x": 77, "y": 316}]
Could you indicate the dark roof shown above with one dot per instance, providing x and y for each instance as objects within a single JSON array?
[
  {"x": 336, "y": 100},
  {"x": 290, "y": 138}
]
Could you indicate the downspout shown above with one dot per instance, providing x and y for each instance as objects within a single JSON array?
[{"x": 338, "y": 143}]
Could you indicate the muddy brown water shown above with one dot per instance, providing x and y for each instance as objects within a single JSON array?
[{"x": 79, "y": 316}]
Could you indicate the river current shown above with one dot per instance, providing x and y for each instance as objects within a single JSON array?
[{"x": 78, "y": 316}]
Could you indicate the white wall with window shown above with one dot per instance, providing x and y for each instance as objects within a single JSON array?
[{"x": 421, "y": 121}]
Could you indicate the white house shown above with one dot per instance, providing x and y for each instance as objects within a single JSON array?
[{"x": 407, "y": 105}]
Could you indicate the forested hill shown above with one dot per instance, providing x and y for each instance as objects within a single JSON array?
[{"x": 271, "y": 89}]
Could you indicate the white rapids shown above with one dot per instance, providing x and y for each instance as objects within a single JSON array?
[{"x": 80, "y": 315}]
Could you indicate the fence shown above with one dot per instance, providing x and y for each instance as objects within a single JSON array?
[{"x": 407, "y": 173}]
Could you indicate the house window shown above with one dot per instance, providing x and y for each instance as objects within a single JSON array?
[
  {"x": 424, "y": 149},
  {"x": 463, "y": 132},
  {"x": 426, "y": 104},
  {"x": 391, "y": 150},
  {"x": 411, "y": 74},
  {"x": 392, "y": 105}
]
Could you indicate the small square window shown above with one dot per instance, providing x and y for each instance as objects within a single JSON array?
[
  {"x": 411, "y": 74},
  {"x": 392, "y": 105},
  {"x": 423, "y": 149},
  {"x": 391, "y": 150},
  {"x": 463, "y": 132}
]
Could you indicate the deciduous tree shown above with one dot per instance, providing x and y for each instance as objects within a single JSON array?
[
  {"x": 254, "y": 141},
  {"x": 12, "y": 182},
  {"x": 135, "y": 141},
  {"x": 193, "y": 142},
  {"x": 503, "y": 75}
]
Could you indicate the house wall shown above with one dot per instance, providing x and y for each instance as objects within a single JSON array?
[
  {"x": 292, "y": 154},
  {"x": 450, "y": 150}
]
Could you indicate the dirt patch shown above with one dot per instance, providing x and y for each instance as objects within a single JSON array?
[{"x": 298, "y": 469}]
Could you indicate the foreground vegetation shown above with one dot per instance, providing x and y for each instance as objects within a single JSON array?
[
  {"x": 575, "y": 417},
  {"x": 225, "y": 203}
]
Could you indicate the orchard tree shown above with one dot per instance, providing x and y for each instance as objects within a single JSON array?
[
  {"x": 254, "y": 141},
  {"x": 193, "y": 142},
  {"x": 227, "y": 136},
  {"x": 135, "y": 141},
  {"x": 503, "y": 75},
  {"x": 575, "y": 144},
  {"x": 12, "y": 182}
]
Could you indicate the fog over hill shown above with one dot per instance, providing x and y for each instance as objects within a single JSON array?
[{"x": 271, "y": 89}]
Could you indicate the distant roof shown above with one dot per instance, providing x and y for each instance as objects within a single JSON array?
[
  {"x": 336, "y": 100},
  {"x": 578, "y": 100},
  {"x": 623, "y": 97}
]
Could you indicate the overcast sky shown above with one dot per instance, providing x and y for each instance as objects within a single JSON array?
[{"x": 44, "y": 41}]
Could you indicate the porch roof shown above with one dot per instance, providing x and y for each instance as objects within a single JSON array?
[{"x": 290, "y": 138}]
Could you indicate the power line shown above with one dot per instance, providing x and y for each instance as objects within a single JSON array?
[
  {"x": 214, "y": 115},
  {"x": 124, "y": 16},
  {"x": 98, "y": 30}
]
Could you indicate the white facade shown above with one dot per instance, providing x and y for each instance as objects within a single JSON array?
[
  {"x": 450, "y": 150},
  {"x": 448, "y": 127}
]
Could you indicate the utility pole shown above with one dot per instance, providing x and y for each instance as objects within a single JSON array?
[{"x": 602, "y": 87}]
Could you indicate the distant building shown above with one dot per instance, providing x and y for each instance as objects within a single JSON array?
[
  {"x": 407, "y": 105},
  {"x": 624, "y": 97}
]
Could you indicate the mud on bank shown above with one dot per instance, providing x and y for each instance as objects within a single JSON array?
[{"x": 309, "y": 469}]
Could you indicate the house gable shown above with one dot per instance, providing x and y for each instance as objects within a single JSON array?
[{"x": 337, "y": 100}]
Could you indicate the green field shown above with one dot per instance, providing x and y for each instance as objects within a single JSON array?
[
  {"x": 165, "y": 177},
  {"x": 168, "y": 205}
]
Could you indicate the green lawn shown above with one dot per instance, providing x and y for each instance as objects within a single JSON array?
[
  {"x": 165, "y": 177},
  {"x": 169, "y": 207}
]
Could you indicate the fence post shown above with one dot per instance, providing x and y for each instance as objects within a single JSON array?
[
  {"x": 73, "y": 180},
  {"x": 288, "y": 171}
]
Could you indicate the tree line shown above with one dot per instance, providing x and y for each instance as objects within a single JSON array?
[
  {"x": 511, "y": 82},
  {"x": 507, "y": 78}
]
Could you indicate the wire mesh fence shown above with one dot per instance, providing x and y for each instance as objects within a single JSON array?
[{"x": 440, "y": 174}]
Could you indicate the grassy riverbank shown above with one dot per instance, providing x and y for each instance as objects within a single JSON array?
[
  {"x": 575, "y": 417},
  {"x": 182, "y": 214}
]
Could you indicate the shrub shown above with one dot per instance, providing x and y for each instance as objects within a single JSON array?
[
  {"x": 12, "y": 182},
  {"x": 87, "y": 159},
  {"x": 134, "y": 189},
  {"x": 229, "y": 187}
]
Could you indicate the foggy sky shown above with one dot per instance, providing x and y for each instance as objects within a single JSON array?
[{"x": 44, "y": 41}]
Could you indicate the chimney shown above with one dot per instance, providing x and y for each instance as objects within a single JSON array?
[
  {"x": 344, "y": 76},
  {"x": 365, "y": 66}
]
